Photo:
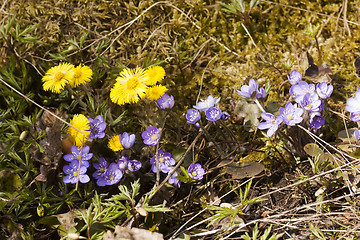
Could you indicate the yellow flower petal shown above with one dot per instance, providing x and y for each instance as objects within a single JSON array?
[
  {"x": 155, "y": 74},
  {"x": 155, "y": 92},
  {"x": 114, "y": 144},
  {"x": 82, "y": 123}
]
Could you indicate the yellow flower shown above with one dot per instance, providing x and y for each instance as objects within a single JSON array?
[
  {"x": 114, "y": 144},
  {"x": 155, "y": 92},
  {"x": 82, "y": 123},
  {"x": 57, "y": 77},
  {"x": 155, "y": 74},
  {"x": 130, "y": 86},
  {"x": 82, "y": 75}
]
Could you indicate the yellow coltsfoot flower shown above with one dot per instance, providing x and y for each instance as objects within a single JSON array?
[
  {"x": 155, "y": 74},
  {"x": 155, "y": 92},
  {"x": 80, "y": 122},
  {"x": 130, "y": 86},
  {"x": 57, "y": 77},
  {"x": 82, "y": 75}
]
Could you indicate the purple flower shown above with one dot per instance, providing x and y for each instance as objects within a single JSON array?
[
  {"x": 213, "y": 114},
  {"x": 73, "y": 172},
  {"x": 97, "y": 127},
  {"x": 355, "y": 116},
  {"x": 76, "y": 155},
  {"x": 193, "y": 116},
  {"x": 291, "y": 114},
  {"x": 166, "y": 101},
  {"x": 225, "y": 116},
  {"x": 174, "y": 180},
  {"x": 272, "y": 123},
  {"x": 311, "y": 102},
  {"x": 323, "y": 90},
  {"x": 357, "y": 134},
  {"x": 299, "y": 90},
  {"x": 113, "y": 174},
  {"x": 133, "y": 165},
  {"x": 151, "y": 136},
  {"x": 196, "y": 171},
  {"x": 127, "y": 140},
  {"x": 295, "y": 77},
  {"x": 353, "y": 104},
  {"x": 316, "y": 120},
  {"x": 251, "y": 90},
  {"x": 122, "y": 162},
  {"x": 100, "y": 172},
  {"x": 204, "y": 105},
  {"x": 165, "y": 162}
]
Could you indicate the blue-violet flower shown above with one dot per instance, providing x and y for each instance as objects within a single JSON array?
[
  {"x": 166, "y": 101},
  {"x": 165, "y": 162},
  {"x": 213, "y": 114},
  {"x": 204, "y": 105},
  {"x": 196, "y": 171},
  {"x": 193, "y": 116},
  {"x": 323, "y": 90},
  {"x": 127, "y": 140},
  {"x": 295, "y": 77},
  {"x": 272, "y": 123},
  {"x": 151, "y": 136},
  {"x": 73, "y": 172},
  {"x": 291, "y": 114},
  {"x": 97, "y": 127}
]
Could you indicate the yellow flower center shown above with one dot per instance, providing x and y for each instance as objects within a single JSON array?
[
  {"x": 161, "y": 160},
  {"x": 102, "y": 170},
  {"x": 308, "y": 106},
  {"x": 59, "y": 76},
  {"x": 132, "y": 83},
  {"x": 75, "y": 174},
  {"x": 289, "y": 117},
  {"x": 194, "y": 173},
  {"x": 154, "y": 137},
  {"x": 111, "y": 177},
  {"x": 77, "y": 73}
]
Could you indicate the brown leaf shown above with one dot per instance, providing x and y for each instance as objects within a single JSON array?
[
  {"x": 123, "y": 233},
  {"x": 246, "y": 170}
]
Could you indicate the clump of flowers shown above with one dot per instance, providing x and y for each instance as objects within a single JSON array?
[
  {"x": 310, "y": 98},
  {"x": 212, "y": 113},
  {"x": 135, "y": 84}
]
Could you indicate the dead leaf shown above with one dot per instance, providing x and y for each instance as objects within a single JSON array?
[
  {"x": 123, "y": 233},
  {"x": 67, "y": 220},
  {"x": 313, "y": 150},
  {"x": 245, "y": 170},
  {"x": 316, "y": 73}
]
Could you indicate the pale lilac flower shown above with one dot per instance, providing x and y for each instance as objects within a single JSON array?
[
  {"x": 127, "y": 140},
  {"x": 73, "y": 173},
  {"x": 77, "y": 155},
  {"x": 291, "y": 114},
  {"x": 225, "y": 116},
  {"x": 174, "y": 180},
  {"x": 252, "y": 90},
  {"x": 99, "y": 174},
  {"x": 357, "y": 134},
  {"x": 353, "y": 104},
  {"x": 134, "y": 165},
  {"x": 355, "y": 116},
  {"x": 122, "y": 162},
  {"x": 196, "y": 171},
  {"x": 316, "y": 120},
  {"x": 294, "y": 77},
  {"x": 166, "y": 101},
  {"x": 193, "y": 116},
  {"x": 299, "y": 90},
  {"x": 311, "y": 102},
  {"x": 323, "y": 90},
  {"x": 272, "y": 123},
  {"x": 151, "y": 136},
  {"x": 213, "y": 114},
  {"x": 165, "y": 162},
  {"x": 97, "y": 127},
  {"x": 204, "y": 105},
  {"x": 113, "y": 174}
]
